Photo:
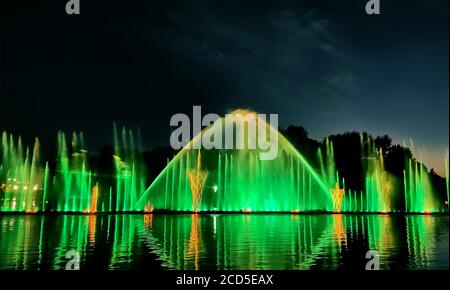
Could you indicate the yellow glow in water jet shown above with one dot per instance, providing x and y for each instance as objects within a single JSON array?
[
  {"x": 337, "y": 194},
  {"x": 197, "y": 179},
  {"x": 148, "y": 207},
  {"x": 93, "y": 206}
]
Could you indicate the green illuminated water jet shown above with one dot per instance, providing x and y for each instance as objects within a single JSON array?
[
  {"x": 378, "y": 182},
  {"x": 73, "y": 177},
  {"x": 23, "y": 175},
  {"x": 129, "y": 171},
  {"x": 419, "y": 195}
]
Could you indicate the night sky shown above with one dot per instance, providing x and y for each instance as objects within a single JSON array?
[{"x": 325, "y": 65}]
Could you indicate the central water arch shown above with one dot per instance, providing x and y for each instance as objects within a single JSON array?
[{"x": 237, "y": 179}]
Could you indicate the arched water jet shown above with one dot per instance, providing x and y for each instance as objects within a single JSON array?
[{"x": 238, "y": 180}]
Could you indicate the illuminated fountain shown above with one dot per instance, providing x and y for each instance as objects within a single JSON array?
[
  {"x": 378, "y": 182},
  {"x": 76, "y": 184},
  {"x": 129, "y": 171},
  {"x": 73, "y": 179},
  {"x": 330, "y": 176},
  {"x": 208, "y": 180},
  {"x": 419, "y": 195},
  {"x": 22, "y": 174},
  {"x": 81, "y": 188},
  {"x": 237, "y": 180}
]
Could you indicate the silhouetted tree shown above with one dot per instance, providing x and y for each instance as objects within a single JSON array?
[
  {"x": 396, "y": 159},
  {"x": 440, "y": 186},
  {"x": 347, "y": 155},
  {"x": 298, "y": 136},
  {"x": 156, "y": 160},
  {"x": 384, "y": 142}
]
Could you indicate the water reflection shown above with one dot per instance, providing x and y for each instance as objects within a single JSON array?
[{"x": 223, "y": 241}]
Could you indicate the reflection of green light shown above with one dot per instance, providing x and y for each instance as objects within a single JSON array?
[
  {"x": 420, "y": 230},
  {"x": 237, "y": 241}
]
